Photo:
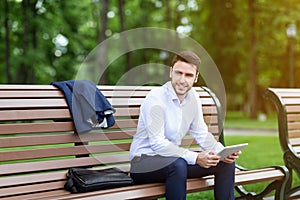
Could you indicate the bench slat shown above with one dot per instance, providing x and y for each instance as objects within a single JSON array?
[
  {"x": 101, "y": 87},
  {"x": 12, "y": 181},
  {"x": 61, "y": 102},
  {"x": 293, "y": 109},
  {"x": 71, "y": 137},
  {"x": 31, "y": 94},
  {"x": 30, "y": 128},
  {"x": 295, "y": 141},
  {"x": 42, "y": 114},
  {"x": 59, "y": 94},
  {"x": 71, "y": 150},
  {"x": 242, "y": 177},
  {"x": 32, "y": 178},
  {"x": 64, "y": 138},
  {"x": 293, "y": 125},
  {"x": 291, "y": 101},
  {"x": 293, "y": 117},
  {"x": 63, "y": 151},
  {"x": 39, "y": 114},
  {"x": 47, "y": 194},
  {"x": 7, "y": 169},
  {"x": 36, "y": 127},
  {"x": 209, "y": 110},
  {"x": 31, "y": 188},
  {"x": 294, "y": 133},
  {"x": 283, "y": 91},
  {"x": 45, "y": 127},
  {"x": 157, "y": 190},
  {"x": 32, "y": 103},
  {"x": 297, "y": 149}
]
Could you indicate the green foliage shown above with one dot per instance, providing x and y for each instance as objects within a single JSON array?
[{"x": 222, "y": 27}]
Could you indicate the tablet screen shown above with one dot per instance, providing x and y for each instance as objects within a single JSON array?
[{"x": 228, "y": 150}]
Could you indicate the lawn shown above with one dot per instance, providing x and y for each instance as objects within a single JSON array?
[
  {"x": 235, "y": 119},
  {"x": 262, "y": 151}
]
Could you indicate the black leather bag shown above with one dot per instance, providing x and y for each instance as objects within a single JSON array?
[{"x": 86, "y": 180}]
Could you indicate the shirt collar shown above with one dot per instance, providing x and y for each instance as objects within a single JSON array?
[{"x": 172, "y": 94}]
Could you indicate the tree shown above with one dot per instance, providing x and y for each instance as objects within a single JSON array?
[
  {"x": 246, "y": 39},
  {"x": 102, "y": 36},
  {"x": 7, "y": 43},
  {"x": 128, "y": 64},
  {"x": 22, "y": 76},
  {"x": 252, "y": 90}
]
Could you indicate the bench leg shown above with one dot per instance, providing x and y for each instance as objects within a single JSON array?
[
  {"x": 279, "y": 186},
  {"x": 254, "y": 196},
  {"x": 244, "y": 194},
  {"x": 293, "y": 166}
]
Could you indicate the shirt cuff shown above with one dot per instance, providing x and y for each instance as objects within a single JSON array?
[
  {"x": 190, "y": 157},
  {"x": 218, "y": 147}
]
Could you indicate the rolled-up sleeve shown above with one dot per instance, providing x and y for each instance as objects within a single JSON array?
[{"x": 199, "y": 131}]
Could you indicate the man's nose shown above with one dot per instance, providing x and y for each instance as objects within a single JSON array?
[{"x": 182, "y": 78}]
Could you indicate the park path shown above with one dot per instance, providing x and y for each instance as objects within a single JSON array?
[{"x": 238, "y": 131}]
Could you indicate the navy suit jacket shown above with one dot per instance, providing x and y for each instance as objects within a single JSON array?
[{"x": 88, "y": 106}]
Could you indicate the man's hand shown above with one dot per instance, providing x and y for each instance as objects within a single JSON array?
[
  {"x": 207, "y": 159},
  {"x": 231, "y": 158}
]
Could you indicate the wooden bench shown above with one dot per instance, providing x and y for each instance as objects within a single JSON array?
[
  {"x": 287, "y": 103},
  {"x": 38, "y": 145}
]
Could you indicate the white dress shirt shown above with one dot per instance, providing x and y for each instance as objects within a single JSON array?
[{"x": 164, "y": 121}]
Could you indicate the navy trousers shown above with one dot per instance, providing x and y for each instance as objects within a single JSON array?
[{"x": 174, "y": 172}]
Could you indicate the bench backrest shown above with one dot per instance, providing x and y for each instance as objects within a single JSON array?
[
  {"x": 287, "y": 102},
  {"x": 37, "y": 134}
]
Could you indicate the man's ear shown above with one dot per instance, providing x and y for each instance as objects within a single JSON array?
[
  {"x": 196, "y": 79},
  {"x": 170, "y": 74}
]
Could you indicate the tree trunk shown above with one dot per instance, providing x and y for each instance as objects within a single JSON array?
[
  {"x": 252, "y": 91},
  {"x": 102, "y": 37},
  {"x": 169, "y": 26},
  {"x": 7, "y": 43},
  {"x": 31, "y": 77},
  {"x": 23, "y": 72},
  {"x": 130, "y": 75}
]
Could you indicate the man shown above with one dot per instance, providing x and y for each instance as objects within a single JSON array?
[{"x": 166, "y": 115}]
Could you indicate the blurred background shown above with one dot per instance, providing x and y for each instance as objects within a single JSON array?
[{"x": 254, "y": 43}]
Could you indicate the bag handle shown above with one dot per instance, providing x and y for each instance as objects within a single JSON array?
[{"x": 69, "y": 185}]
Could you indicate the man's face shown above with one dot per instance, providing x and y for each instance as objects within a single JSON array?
[{"x": 183, "y": 76}]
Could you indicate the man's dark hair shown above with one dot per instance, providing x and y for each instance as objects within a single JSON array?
[{"x": 188, "y": 57}]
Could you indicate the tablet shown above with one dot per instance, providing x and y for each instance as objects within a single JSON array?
[{"x": 228, "y": 150}]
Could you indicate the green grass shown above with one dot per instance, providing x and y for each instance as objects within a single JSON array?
[
  {"x": 262, "y": 151},
  {"x": 235, "y": 119}
]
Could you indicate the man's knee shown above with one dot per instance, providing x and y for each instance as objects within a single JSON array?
[
  {"x": 179, "y": 167},
  {"x": 226, "y": 168}
]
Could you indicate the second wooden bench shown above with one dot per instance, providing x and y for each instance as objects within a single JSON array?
[{"x": 287, "y": 103}]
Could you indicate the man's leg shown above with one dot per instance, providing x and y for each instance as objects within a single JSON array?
[
  {"x": 224, "y": 178},
  {"x": 224, "y": 181},
  {"x": 176, "y": 180},
  {"x": 172, "y": 171}
]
